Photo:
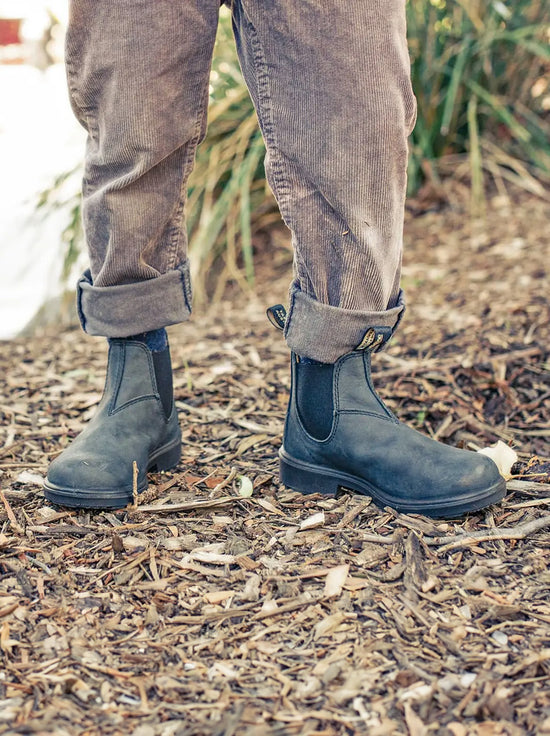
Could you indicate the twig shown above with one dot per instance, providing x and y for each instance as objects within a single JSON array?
[
  {"x": 135, "y": 484},
  {"x": 17, "y": 528},
  {"x": 224, "y": 483},
  {"x": 105, "y": 670},
  {"x": 516, "y": 532},
  {"x": 376, "y": 538},
  {"x": 210, "y": 415},
  {"x": 245, "y": 610},
  {"x": 289, "y": 607},
  {"x": 528, "y": 485},
  {"x": 463, "y": 540},
  {"x": 190, "y": 506},
  {"x": 529, "y": 504},
  {"x": 409, "y": 367}
]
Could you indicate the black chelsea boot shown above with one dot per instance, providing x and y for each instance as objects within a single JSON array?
[
  {"x": 131, "y": 425},
  {"x": 339, "y": 433}
]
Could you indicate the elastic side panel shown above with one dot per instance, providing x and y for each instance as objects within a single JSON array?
[{"x": 314, "y": 398}]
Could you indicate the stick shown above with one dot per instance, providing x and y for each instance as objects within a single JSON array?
[
  {"x": 521, "y": 531},
  {"x": 17, "y": 528},
  {"x": 528, "y": 485},
  {"x": 190, "y": 506},
  {"x": 134, "y": 484},
  {"x": 516, "y": 532},
  {"x": 225, "y": 482}
]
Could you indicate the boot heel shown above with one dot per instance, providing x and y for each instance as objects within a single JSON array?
[
  {"x": 304, "y": 480},
  {"x": 166, "y": 460}
]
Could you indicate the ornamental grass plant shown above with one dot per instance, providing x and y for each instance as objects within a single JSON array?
[{"x": 480, "y": 73}]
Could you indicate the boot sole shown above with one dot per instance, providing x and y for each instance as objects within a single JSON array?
[
  {"x": 308, "y": 478},
  {"x": 164, "y": 458}
]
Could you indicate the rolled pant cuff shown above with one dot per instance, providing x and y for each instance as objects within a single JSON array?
[
  {"x": 128, "y": 309},
  {"x": 324, "y": 333}
]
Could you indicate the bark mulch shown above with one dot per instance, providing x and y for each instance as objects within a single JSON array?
[{"x": 206, "y": 610}]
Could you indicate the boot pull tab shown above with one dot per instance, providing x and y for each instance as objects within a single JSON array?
[
  {"x": 375, "y": 338},
  {"x": 277, "y": 316}
]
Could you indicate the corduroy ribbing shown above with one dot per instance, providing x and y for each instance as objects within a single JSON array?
[
  {"x": 138, "y": 76},
  {"x": 331, "y": 85},
  {"x": 324, "y": 333},
  {"x": 128, "y": 309}
]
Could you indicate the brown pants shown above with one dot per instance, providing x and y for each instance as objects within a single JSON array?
[{"x": 330, "y": 81}]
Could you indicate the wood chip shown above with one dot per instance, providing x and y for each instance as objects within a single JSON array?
[
  {"x": 335, "y": 581},
  {"x": 197, "y": 612}
]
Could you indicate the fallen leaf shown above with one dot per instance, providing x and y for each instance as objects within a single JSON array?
[
  {"x": 212, "y": 558},
  {"x": 249, "y": 442},
  {"x": 313, "y": 521},
  {"x": 335, "y": 580},
  {"x": 218, "y": 596},
  {"x": 31, "y": 478},
  {"x": 503, "y": 456},
  {"x": 353, "y": 583},
  {"x": 6, "y": 644},
  {"x": 328, "y": 624},
  {"x": 268, "y": 506},
  {"x": 244, "y": 486},
  {"x": 457, "y": 729}
]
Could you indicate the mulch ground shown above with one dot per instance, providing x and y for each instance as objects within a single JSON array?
[{"x": 204, "y": 610}]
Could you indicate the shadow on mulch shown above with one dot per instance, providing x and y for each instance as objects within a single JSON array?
[{"x": 202, "y": 611}]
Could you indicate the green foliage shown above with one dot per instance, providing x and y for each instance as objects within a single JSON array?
[
  {"x": 480, "y": 75},
  {"x": 64, "y": 195}
]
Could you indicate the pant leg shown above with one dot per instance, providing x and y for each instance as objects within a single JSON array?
[
  {"x": 331, "y": 84},
  {"x": 138, "y": 79}
]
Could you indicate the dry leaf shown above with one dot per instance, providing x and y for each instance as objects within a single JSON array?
[
  {"x": 132, "y": 544},
  {"x": 313, "y": 521},
  {"x": 335, "y": 580},
  {"x": 269, "y": 606},
  {"x": 414, "y": 723},
  {"x": 249, "y": 442},
  {"x": 6, "y": 644},
  {"x": 457, "y": 729},
  {"x": 10, "y": 709},
  {"x": 212, "y": 558},
  {"x": 244, "y": 486},
  {"x": 268, "y": 506},
  {"x": 329, "y": 624},
  {"x": 353, "y": 583},
  {"x": 31, "y": 478},
  {"x": 503, "y": 456},
  {"x": 218, "y": 596}
]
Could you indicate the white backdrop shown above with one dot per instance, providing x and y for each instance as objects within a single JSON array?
[{"x": 39, "y": 139}]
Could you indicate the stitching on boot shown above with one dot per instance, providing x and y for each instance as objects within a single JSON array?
[
  {"x": 138, "y": 400},
  {"x": 367, "y": 368},
  {"x": 118, "y": 375}
]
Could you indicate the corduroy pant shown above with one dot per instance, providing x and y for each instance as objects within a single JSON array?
[{"x": 330, "y": 80}]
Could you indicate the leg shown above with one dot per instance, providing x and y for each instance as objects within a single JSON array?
[
  {"x": 138, "y": 79},
  {"x": 331, "y": 85},
  {"x": 138, "y": 76}
]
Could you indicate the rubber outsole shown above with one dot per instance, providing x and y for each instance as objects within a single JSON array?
[
  {"x": 308, "y": 478},
  {"x": 165, "y": 458}
]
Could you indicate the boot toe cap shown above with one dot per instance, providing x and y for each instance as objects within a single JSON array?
[
  {"x": 480, "y": 472},
  {"x": 81, "y": 482}
]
